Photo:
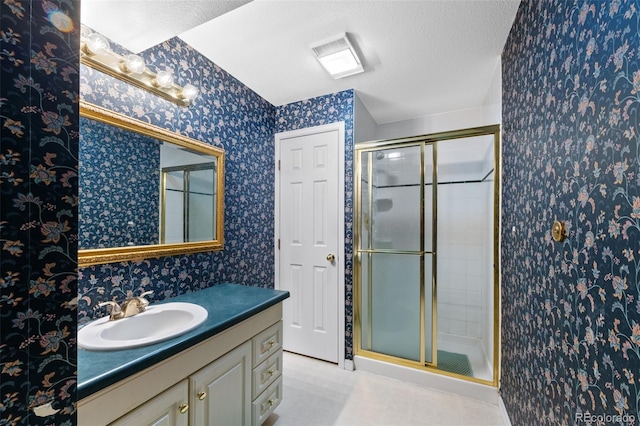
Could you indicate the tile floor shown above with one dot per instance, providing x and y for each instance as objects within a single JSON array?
[{"x": 319, "y": 393}]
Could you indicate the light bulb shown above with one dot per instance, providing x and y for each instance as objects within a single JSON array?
[
  {"x": 189, "y": 92},
  {"x": 134, "y": 64},
  {"x": 164, "y": 79},
  {"x": 85, "y": 31},
  {"x": 96, "y": 43}
]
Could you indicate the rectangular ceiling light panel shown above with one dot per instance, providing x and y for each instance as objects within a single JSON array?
[{"x": 339, "y": 57}]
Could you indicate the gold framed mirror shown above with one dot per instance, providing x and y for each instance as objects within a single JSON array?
[{"x": 133, "y": 204}]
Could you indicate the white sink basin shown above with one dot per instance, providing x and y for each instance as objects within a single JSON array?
[{"x": 157, "y": 323}]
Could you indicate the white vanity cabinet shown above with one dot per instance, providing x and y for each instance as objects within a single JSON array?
[{"x": 232, "y": 378}]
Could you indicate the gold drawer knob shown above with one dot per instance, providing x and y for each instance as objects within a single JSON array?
[
  {"x": 184, "y": 408},
  {"x": 271, "y": 372},
  {"x": 271, "y": 343},
  {"x": 271, "y": 402},
  {"x": 202, "y": 395}
]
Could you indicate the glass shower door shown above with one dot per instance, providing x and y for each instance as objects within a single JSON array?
[
  {"x": 425, "y": 243},
  {"x": 395, "y": 277}
]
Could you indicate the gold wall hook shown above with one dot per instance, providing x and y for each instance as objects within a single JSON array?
[{"x": 558, "y": 231}]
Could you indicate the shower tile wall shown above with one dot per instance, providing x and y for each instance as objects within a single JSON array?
[{"x": 461, "y": 245}]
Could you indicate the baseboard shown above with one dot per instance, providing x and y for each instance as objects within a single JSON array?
[
  {"x": 348, "y": 365},
  {"x": 503, "y": 411}
]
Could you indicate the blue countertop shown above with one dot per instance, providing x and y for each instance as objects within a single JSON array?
[{"x": 228, "y": 305}]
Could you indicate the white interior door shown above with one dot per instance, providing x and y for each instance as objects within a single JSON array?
[{"x": 309, "y": 260}]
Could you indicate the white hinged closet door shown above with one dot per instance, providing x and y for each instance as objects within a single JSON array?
[{"x": 309, "y": 259}]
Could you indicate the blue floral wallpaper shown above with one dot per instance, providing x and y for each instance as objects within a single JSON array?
[
  {"x": 571, "y": 152},
  {"x": 316, "y": 112},
  {"x": 119, "y": 187},
  {"x": 38, "y": 220}
]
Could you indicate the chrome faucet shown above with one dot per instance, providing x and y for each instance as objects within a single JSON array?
[{"x": 130, "y": 307}]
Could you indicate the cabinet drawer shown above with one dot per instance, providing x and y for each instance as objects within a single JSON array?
[
  {"x": 267, "y": 402},
  {"x": 267, "y": 373},
  {"x": 267, "y": 343}
]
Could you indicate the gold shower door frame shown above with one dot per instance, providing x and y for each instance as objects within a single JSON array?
[{"x": 422, "y": 141}]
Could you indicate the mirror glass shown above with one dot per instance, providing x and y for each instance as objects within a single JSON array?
[
  {"x": 188, "y": 195},
  {"x": 145, "y": 191}
]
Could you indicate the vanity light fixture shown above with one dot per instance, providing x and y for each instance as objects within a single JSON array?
[
  {"x": 96, "y": 53},
  {"x": 338, "y": 57}
]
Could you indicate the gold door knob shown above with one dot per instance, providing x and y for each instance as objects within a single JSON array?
[
  {"x": 331, "y": 257},
  {"x": 202, "y": 395},
  {"x": 183, "y": 408}
]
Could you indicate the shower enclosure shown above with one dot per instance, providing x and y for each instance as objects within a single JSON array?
[{"x": 425, "y": 280}]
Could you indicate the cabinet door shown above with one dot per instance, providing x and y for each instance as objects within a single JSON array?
[
  {"x": 167, "y": 409},
  {"x": 221, "y": 391}
]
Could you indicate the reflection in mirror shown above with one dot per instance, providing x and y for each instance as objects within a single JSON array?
[
  {"x": 188, "y": 197},
  {"x": 145, "y": 191},
  {"x": 119, "y": 187}
]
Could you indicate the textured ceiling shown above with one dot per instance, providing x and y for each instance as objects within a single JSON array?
[
  {"x": 420, "y": 57},
  {"x": 141, "y": 24}
]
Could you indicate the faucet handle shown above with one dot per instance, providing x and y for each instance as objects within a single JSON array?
[
  {"x": 115, "y": 308},
  {"x": 142, "y": 302},
  {"x": 146, "y": 293}
]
